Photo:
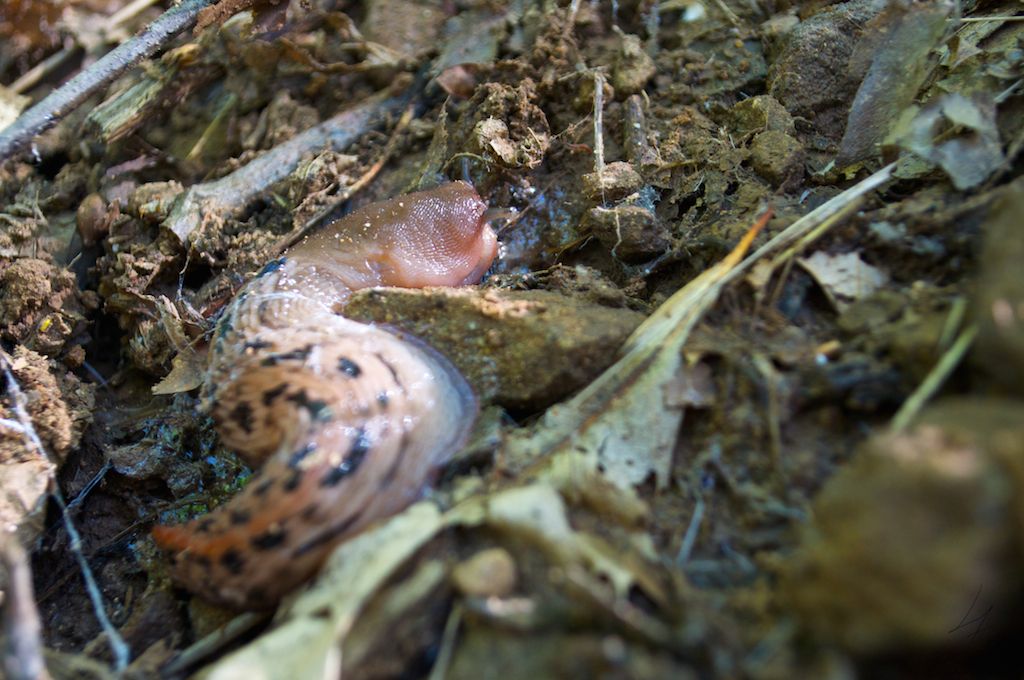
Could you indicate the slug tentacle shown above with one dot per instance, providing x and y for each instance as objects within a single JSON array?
[{"x": 347, "y": 420}]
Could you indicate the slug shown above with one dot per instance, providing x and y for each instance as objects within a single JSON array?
[{"x": 345, "y": 421}]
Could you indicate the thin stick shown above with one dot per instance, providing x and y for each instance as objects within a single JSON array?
[
  {"x": 64, "y": 99},
  {"x": 349, "y": 191},
  {"x": 23, "y": 649},
  {"x": 933, "y": 381},
  {"x": 118, "y": 646},
  {"x": 232, "y": 195}
]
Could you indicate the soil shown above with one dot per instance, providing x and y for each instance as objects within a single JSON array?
[{"x": 804, "y": 521}]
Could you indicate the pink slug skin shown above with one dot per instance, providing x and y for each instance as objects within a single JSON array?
[{"x": 347, "y": 420}]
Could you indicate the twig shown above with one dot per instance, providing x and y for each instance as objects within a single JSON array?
[
  {"x": 357, "y": 186},
  {"x": 690, "y": 538},
  {"x": 118, "y": 646},
  {"x": 223, "y": 637},
  {"x": 34, "y": 75},
  {"x": 933, "y": 381},
  {"x": 444, "y": 657},
  {"x": 64, "y": 99},
  {"x": 23, "y": 650},
  {"x": 232, "y": 195}
]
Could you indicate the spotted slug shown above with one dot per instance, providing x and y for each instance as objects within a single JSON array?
[{"x": 343, "y": 421}]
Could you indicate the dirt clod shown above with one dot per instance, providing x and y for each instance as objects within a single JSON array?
[{"x": 500, "y": 333}]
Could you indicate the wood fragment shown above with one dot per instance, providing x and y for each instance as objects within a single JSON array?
[
  {"x": 64, "y": 99},
  {"x": 118, "y": 647},
  {"x": 232, "y": 195},
  {"x": 22, "y": 653}
]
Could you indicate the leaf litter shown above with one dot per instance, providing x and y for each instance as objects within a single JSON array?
[{"x": 783, "y": 471}]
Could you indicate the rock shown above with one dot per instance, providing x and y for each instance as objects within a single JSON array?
[
  {"x": 632, "y": 67},
  {"x": 615, "y": 181},
  {"x": 811, "y": 75},
  {"x": 407, "y": 27},
  {"x": 519, "y": 349},
  {"x": 631, "y": 233},
  {"x": 91, "y": 219},
  {"x": 918, "y": 534},
  {"x": 777, "y": 157},
  {"x": 41, "y": 305},
  {"x": 489, "y": 573},
  {"x": 999, "y": 301},
  {"x": 760, "y": 113}
]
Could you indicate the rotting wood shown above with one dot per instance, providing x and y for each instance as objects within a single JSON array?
[
  {"x": 233, "y": 194},
  {"x": 64, "y": 99}
]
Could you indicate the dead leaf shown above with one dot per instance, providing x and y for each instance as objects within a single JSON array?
[
  {"x": 897, "y": 42},
  {"x": 956, "y": 133},
  {"x": 188, "y": 370},
  {"x": 622, "y": 423},
  {"x": 845, "y": 278}
]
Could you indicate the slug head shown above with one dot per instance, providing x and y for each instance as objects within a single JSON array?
[{"x": 439, "y": 238}]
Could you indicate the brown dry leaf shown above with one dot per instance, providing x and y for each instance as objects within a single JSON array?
[
  {"x": 898, "y": 43},
  {"x": 188, "y": 370},
  {"x": 626, "y": 422},
  {"x": 845, "y": 278},
  {"x": 11, "y": 106},
  {"x": 957, "y": 133}
]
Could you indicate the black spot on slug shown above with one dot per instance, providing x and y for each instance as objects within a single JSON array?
[
  {"x": 292, "y": 483},
  {"x": 263, "y": 487},
  {"x": 239, "y": 517},
  {"x": 357, "y": 452},
  {"x": 257, "y": 344},
  {"x": 273, "y": 393},
  {"x": 325, "y": 537},
  {"x": 242, "y": 415},
  {"x": 233, "y": 561},
  {"x": 317, "y": 408},
  {"x": 299, "y": 455},
  {"x": 205, "y": 524},
  {"x": 271, "y": 538},
  {"x": 272, "y": 266},
  {"x": 349, "y": 367},
  {"x": 383, "y": 399},
  {"x": 300, "y": 354}
]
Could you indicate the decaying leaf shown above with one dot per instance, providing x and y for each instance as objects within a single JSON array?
[
  {"x": 11, "y": 106},
  {"x": 845, "y": 278},
  {"x": 897, "y": 42},
  {"x": 188, "y": 369},
  {"x": 626, "y": 422},
  {"x": 957, "y": 133}
]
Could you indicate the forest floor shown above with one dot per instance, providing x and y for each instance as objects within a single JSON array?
[{"x": 808, "y": 463}]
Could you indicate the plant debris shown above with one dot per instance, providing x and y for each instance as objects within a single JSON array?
[{"x": 750, "y": 361}]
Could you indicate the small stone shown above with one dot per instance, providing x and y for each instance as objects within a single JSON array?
[
  {"x": 489, "y": 573},
  {"x": 519, "y": 349},
  {"x": 615, "y": 181},
  {"x": 632, "y": 67},
  {"x": 777, "y": 157},
  {"x": 921, "y": 529},
  {"x": 763, "y": 112},
  {"x": 631, "y": 233},
  {"x": 91, "y": 219}
]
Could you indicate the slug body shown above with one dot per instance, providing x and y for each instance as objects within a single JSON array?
[{"x": 345, "y": 421}]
